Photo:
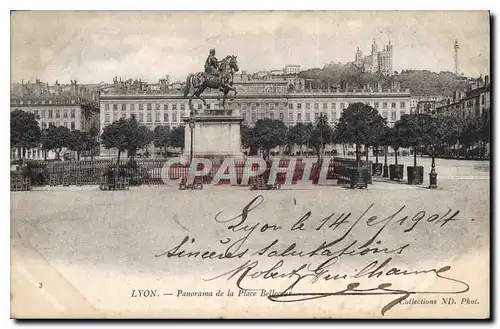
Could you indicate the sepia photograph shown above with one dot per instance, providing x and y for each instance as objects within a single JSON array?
[{"x": 250, "y": 164}]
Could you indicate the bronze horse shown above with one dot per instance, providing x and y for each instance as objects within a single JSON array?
[{"x": 201, "y": 81}]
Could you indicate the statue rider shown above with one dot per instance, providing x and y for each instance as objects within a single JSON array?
[{"x": 212, "y": 64}]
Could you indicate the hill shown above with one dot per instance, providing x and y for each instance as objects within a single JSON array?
[{"x": 420, "y": 82}]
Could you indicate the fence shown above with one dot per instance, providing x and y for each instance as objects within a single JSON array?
[{"x": 152, "y": 172}]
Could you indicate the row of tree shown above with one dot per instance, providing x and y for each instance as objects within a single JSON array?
[
  {"x": 363, "y": 126},
  {"x": 359, "y": 124},
  {"x": 124, "y": 135}
]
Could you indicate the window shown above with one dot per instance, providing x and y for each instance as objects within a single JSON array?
[
  {"x": 132, "y": 116},
  {"x": 35, "y": 112},
  {"x": 65, "y": 114},
  {"x": 402, "y": 113},
  {"x": 299, "y": 105},
  {"x": 393, "y": 115},
  {"x": 253, "y": 106},
  {"x": 165, "y": 117},
  {"x": 174, "y": 107},
  {"x": 316, "y": 116},
  {"x": 106, "y": 117},
  {"x": 325, "y": 106},
  {"x": 124, "y": 107},
  {"x": 208, "y": 106},
  {"x": 384, "y": 114},
  {"x": 157, "y": 115},
  {"x": 199, "y": 106},
  {"x": 308, "y": 106},
  {"x": 482, "y": 99},
  {"x": 183, "y": 107},
  {"x": 141, "y": 117},
  {"x": 271, "y": 106},
  {"x": 58, "y": 114},
  {"x": 183, "y": 114},
  {"x": 65, "y": 124},
  {"x": 106, "y": 107},
  {"x": 148, "y": 106},
  {"x": 124, "y": 115},
  {"x": 253, "y": 116},
  {"x": 132, "y": 107},
  {"x": 271, "y": 115},
  {"x": 342, "y": 106},
  {"x": 393, "y": 105},
  {"x": 262, "y": 115},
  {"x": 244, "y": 106},
  {"x": 282, "y": 116},
  {"x": 334, "y": 106},
  {"x": 141, "y": 106},
  {"x": 174, "y": 117},
  {"x": 316, "y": 106},
  {"x": 115, "y": 117},
  {"x": 43, "y": 114},
  {"x": 72, "y": 113},
  {"x": 290, "y": 116},
  {"x": 72, "y": 125},
  {"x": 157, "y": 106},
  {"x": 149, "y": 116},
  {"x": 299, "y": 116},
  {"x": 290, "y": 106},
  {"x": 115, "y": 107},
  {"x": 308, "y": 117},
  {"x": 384, "y": 105},
  {"x": 402, "y": 105},
  {"x": 334, "y": 115},
  {"x": 375, "y": 105},
  {"x": 165, "y": 107}
]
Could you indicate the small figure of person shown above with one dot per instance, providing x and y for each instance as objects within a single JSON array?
[{"x": 212, "y": 64}]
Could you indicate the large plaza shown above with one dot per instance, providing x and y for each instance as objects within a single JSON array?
[{"x": 90, "y": 251}]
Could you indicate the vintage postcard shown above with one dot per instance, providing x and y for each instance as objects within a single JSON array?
[{"x": 250, "y": 164}]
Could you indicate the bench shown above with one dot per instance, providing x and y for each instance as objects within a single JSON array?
[
  {"x": 258, "y": 183},
  {"x": 196, "y": 185}
]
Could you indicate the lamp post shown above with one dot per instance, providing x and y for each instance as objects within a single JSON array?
[
  {"x": 386, "y": 171},
  {"x": 191, "y": 127},
  {"x": 433, "y": 173}
]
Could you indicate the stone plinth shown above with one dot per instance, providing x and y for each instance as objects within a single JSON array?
[{"x": 214, "y": 135}]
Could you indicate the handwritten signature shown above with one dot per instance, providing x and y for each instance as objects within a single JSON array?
[{"x": 248, "y": 271}]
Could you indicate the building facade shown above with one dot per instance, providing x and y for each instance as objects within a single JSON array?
[
  {"x": 71, "y": 106},
  {"x": 473, "y": 102},
  {"x": 255, "y": 100}
]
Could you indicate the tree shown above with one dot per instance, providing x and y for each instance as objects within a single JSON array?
[
  {"x": 92, "y": 139},
  {"x": 246, "y": 139},
  {"x": 57, "y": 139},
  {"x": 44, "y": 142},
  {"x": 267, "y": 134},
  {"x": 414, "y": 128},
  {"x": 320, "y": 135},
  {"x": 77, "y": 142},
  {"x": 162, "y": 138},
  {"x": 177, "y": 137},
  {"x": 116, "y": 136},
  {"x": 359, "y": 124},
  {"x": 24, "y": 131},
  {"x": 126, "y": 135},
  {"x": 299, "y": 135},
  {"x": 395, "y": 139}
]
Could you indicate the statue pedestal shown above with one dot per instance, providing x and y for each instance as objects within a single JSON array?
[{"x": 214, "y": 135}]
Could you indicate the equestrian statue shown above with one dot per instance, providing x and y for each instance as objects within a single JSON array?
[{"x": 217, "y": 75}]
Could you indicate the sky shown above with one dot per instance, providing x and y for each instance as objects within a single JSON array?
[{"x": 93, "y": 47}]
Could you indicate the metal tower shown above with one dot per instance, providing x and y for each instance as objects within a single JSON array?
[{"x": 455, "y": 56}]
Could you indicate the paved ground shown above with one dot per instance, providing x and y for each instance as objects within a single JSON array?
[{"x": 91, "y": 248}]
